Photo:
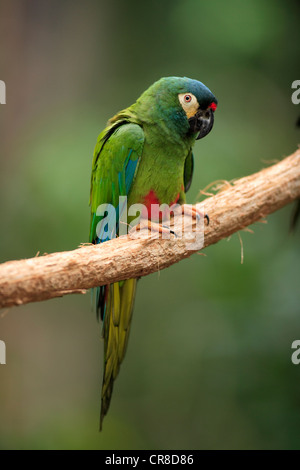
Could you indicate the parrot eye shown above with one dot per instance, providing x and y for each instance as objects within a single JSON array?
[{"x": 189, "y": 103}]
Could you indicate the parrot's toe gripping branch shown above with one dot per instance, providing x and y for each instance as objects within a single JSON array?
[
  {"x": 192, "y": 211},
  {"x": 153, "y": 227},
  {"x": 170, "y": 231}
]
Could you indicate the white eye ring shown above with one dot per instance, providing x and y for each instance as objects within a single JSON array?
[{"x": 189, "y": 103}]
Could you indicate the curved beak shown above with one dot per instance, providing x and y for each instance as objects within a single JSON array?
[{"x": 202, "y": 122}]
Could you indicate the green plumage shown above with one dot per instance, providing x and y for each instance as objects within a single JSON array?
[{"x": 145, "y": 152}]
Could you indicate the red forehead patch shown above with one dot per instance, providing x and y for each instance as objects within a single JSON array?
[{"x": 213, "y": 106}]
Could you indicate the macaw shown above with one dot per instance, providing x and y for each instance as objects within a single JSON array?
[{"x": 144, "y": 153}]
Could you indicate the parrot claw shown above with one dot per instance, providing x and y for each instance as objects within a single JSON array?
[
  {"x": 170, "y": 231},
  {"x": 153, "y": 227},
  {"x": 192, "y": 211}
]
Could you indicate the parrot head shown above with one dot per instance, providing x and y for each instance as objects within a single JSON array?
[
  {"x": 199, "y": 105},
  {"x": 187, "y": 106}
]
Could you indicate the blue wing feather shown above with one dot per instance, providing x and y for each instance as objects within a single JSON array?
[{"x": 116, "y": 159}]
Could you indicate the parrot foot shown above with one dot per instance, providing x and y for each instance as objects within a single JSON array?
[
  {"x": 192, "y": 211},
  {"x": 155, "y": 228}
]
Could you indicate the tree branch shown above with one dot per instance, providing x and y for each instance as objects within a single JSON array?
[{"x": 235, "y": 207}]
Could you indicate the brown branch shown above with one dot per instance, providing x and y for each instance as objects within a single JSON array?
[{"x": 235, "y": 207}]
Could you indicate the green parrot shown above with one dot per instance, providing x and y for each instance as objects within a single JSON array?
[{"x": 144, "y": 153}]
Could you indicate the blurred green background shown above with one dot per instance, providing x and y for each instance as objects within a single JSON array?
[{"x": 209, "y": 359}]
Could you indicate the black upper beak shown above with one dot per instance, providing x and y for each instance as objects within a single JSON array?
[{"x": 202, "y": 122}]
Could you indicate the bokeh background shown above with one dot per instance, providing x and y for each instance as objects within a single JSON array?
[{"x": 209, "y": 359}]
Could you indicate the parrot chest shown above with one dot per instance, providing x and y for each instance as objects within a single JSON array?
[
  {"x": 159, "y": 180},
  {"x": 153, "y": 208}
]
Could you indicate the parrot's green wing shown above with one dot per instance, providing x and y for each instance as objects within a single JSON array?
[
  {"x": 188, "y": 171},
  {"x": 116, "y": 158},
  {"x": 187, "y": 176}
]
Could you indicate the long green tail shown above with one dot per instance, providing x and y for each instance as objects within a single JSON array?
[{"x": 116, "y": 326}]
